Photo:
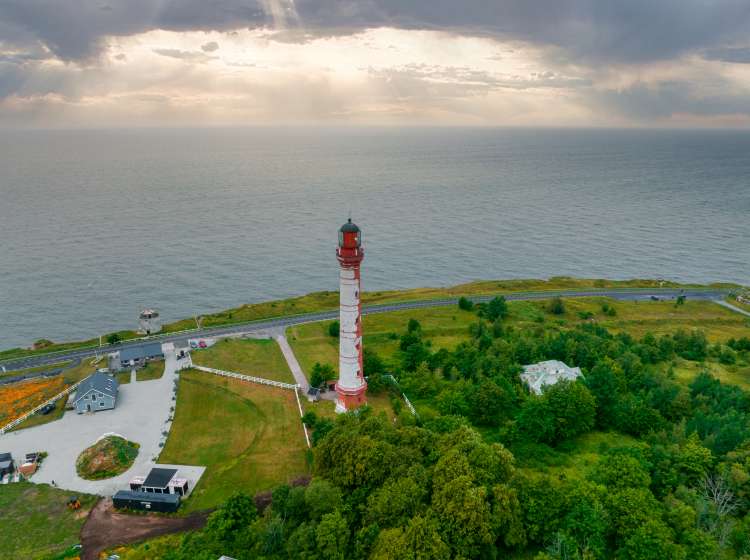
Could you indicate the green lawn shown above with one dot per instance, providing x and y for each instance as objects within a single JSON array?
[
  {"x": 737, "y": 374},
  {"x": 248, "y": 436},
  {"x": 319, "y": 301},
  {"x": 153, "y": 370},
  {"x": 443, "y": 326},
  {"x": 572, "y": 459},
  {"x": 36, "y": 521},
  {"x": 261, "y": 358},
  {"x": 327, "y": 409},
  {"x": 661, "y": 317},
  {"x": 13, "y": 373}
]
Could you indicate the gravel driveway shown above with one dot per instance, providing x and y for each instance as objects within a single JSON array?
[{"x": 141, "y": 415}]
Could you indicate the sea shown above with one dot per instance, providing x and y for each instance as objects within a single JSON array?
[{"x": 97, "y": 224}]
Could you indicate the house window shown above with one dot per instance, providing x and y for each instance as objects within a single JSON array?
[
  {"x": 101, "y": 404},
  {"x": 93, "y": 396}
]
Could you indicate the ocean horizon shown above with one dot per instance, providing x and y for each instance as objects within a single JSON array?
[{"x": 97, "y": 224}]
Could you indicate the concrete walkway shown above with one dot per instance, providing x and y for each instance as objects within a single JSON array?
[
  {"x": 732, "y": 307},
  {"x": 141, "y": 415},
  {"x": 291, "y": 360}
]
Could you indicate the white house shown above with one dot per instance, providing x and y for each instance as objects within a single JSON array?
[{"x": 536, "y": 376}]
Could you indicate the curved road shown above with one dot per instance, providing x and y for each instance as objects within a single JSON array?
[{"x": 265, "y": 324}]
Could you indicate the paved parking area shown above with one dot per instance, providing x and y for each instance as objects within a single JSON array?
[{"x": 141, "y": 415}]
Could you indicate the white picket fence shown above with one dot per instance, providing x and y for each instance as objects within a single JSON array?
[
  {"x": 403, "y": 395},
  {"x": 409, "y": 405},
  {"x": 249, "y": 378},
  {"x": 54, "y": 399},
  {"x": 261, "y": 381}
]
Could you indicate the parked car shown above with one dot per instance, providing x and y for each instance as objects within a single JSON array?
[{"x": 202, "y": 344}]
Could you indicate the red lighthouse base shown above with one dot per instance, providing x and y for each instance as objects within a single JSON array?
[{"x": 351, "y": 399}]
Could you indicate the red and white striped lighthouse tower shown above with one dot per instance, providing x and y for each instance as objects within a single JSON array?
[{"x": 351, "y": 386}]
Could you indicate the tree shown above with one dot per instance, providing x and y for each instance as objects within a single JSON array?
[
  {"x": 302, "y": 543},
  {"x": 621, "y": 471},
  {"x": 395, "y": 502},
  {"x": 489, "y": 404},
  {"x": 651, "y": 541},
  {"x": 465, "y": 304},
  {"x": 419, "y": 540},
  {"x": 332, "y": 536},
  {"x": 602, "y": 383},
  {"x": 556, "y": 306},
  {"x": 573, "y": 408},
  {"x": 413, "y": 326},
  {"x": 321, "y": 497},
  {"x": 321, "y": 373},
  {"x": 496, "y": 309},
  {"x": 236, "y": 514},
  {"x": 114, "y": 338},
  {"x": 464, "y": 516},
  {"x": 422, "y": 382},
  {"x": 334, "y": 328}
]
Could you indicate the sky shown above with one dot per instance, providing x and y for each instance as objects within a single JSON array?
[{"x": 579, "y": 63}]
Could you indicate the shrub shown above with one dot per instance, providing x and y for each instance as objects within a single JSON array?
[
  {"x": 333, "y": 329},
  {"x": 465, "y": 304},
  {"x": 556, "y": 306}
]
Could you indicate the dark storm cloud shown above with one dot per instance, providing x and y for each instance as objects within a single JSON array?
[
  {"x": 737, "y": 55},
  {"x": 591, "y": 30}
]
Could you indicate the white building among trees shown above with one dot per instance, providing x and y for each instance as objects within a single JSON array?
[{"x": 536, "y": 376}]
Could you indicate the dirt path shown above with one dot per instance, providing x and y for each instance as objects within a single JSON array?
[{"x": 106, "y": 528}]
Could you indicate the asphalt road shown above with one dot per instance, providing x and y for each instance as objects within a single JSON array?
[{"x": 625, "y": 295}]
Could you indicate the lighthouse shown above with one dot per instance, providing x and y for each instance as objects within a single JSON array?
[{"x": 351, "y": 386}]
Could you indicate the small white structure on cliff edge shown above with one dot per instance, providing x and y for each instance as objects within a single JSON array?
[
  {"x": 536, "y": 376},
  {"x": 149, "y": 321}
]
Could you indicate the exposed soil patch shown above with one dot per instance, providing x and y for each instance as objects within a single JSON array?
[{"x": 107, "y": 528}]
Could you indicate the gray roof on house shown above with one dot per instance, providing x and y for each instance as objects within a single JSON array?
[
  {"x": 151, "y": 350},
  {"x": 98, "y": 381}
]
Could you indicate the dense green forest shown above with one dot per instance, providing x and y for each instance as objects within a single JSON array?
[{"x": 473, "y": 475}]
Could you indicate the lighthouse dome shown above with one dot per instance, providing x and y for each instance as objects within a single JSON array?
[{"x": 349, "y": 227}]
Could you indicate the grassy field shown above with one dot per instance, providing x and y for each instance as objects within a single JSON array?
[
  {"x": 319, "y": 301},
  {"x": 261, "y": 358},
  {"x": 153, "y": 370},
  {"x": 572, "y": 459},
  {"x": 248, "y": 436},
  {"x": 445, "y": 327},
  {"x": 737, "y": 374},
  {"x": 41, "y": 523},
  {"x": 327, "y": 409},
  {"x": 662, "y": 317},
  {"x": 49, "y": 367}
]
